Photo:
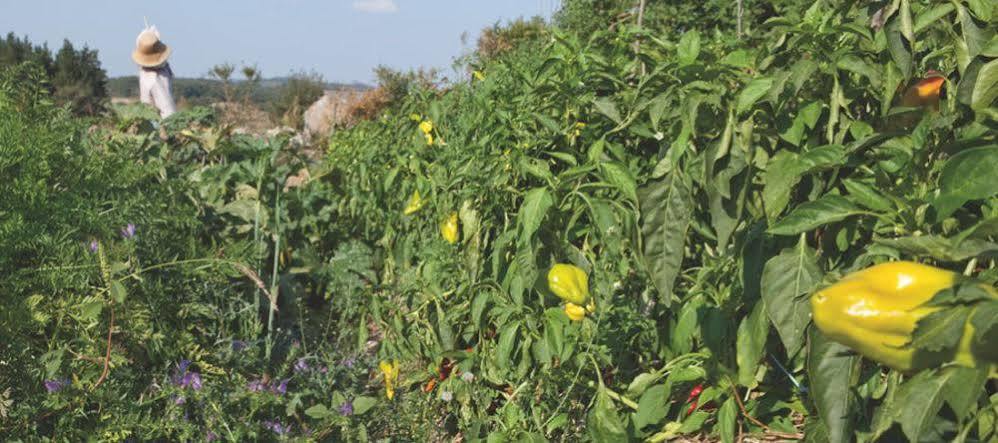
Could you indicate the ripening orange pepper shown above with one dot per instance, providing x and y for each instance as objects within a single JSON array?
[{"x": 925, "y": 92}]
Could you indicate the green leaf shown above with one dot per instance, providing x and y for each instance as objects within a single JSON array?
[
  {"x": 118, "y": 292},
  {"x": 666, "y": 211},
  {"x": 855, "y": 64},
  {"x": 941, "y": 248},
  {"x": 932, "y": 15},
  {"x": 985, "y": 87},
  {"x": 727, "y": 418},
  {"x": 983, "y": 9},
  {"x": 810, "y": 215},
  {"x": 785, "y": 169},
  {"x": 751, "y": 344},
  {"x": 642, "y": 382},
  {"x": 907, "y": 28},
  {"x": 606, "y": 106},
  {"x": 833, "y": 369},
  {"x": 693, "y": 423},
  {"x": 604, "y": 423},
  {"x": 806, "y": 118},
  {"x": 507, "y": 338},
  {"x": 899, "y": 48},
  {"x": 689, "y": 48},
  {"x": 940, "y": 330},
  {"x": 866, "y": 195},
  {"x": 922, "y": 396},
  {"x": 973, "y": 37},
  {"x": 363, "y": 404},
  {"x": 739, "y": 58},
  {"x": 620, "y": 177},
  {"x": 963, "y": 388},
  {"x": 90, "y": 310},
  {"x": 968, "y": 175},
  {"x": 782, "y": 175},
  {"x": 652, "y": 407},
  {"x": 535, "y": 206},
  {"x": 786, "y": 278},
  {"x": 965, "y": 291},
  {"x": 985, "y": 322},
  {"x": 318, "y": 412},
  {"x": 756, "y": 89}
]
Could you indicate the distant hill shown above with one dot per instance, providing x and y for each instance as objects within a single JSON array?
[{"x": 203, "y": 91}]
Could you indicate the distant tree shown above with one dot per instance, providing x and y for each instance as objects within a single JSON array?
[
  {"x": 223, "y": 72},
  {"x": 252, "y": 77},
  {"x": 78, "y": 79},
  {"x": 499, "y": 39},
  {"x": 75, "y": 77}
]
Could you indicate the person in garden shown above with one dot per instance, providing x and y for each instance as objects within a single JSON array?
[{"x": 155, "y": 75}]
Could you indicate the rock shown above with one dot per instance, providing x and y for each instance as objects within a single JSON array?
[{"x": 329, "y": 110}]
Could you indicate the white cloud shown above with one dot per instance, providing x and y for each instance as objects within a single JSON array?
[{"x": 376, "y": 6}]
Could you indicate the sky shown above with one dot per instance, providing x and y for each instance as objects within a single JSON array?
[{"x": 343, "y": 40}]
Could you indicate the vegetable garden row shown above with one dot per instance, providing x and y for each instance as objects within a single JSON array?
[{"x": 625, "y": 236}]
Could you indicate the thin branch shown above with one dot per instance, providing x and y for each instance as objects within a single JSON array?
[
  {"x": 107, "y": 356},
  {"x": 741, "y": 407}
]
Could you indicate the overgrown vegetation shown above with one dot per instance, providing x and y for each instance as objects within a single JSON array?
[
  {"x": 73, "y": 76},
  {"x": 190, "y": 284}
]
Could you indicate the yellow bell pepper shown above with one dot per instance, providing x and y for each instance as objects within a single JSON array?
[
  {"x": 875, "y": 311},
  {"x": 575, "y": 312},
  {"x": 391, "y": 373},
  {"x": 427, "y": 128},
  {"x": 448, "y": 228},
  {"x": 415, "y": 203},
  {"x": 569, "y": 283}
]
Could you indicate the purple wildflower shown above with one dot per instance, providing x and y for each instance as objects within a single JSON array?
[
  {"x": 349, "y": 362},
  {"x": 277, "y": 427},
  {"x": 192, "y": 380},
  {"x": 128, "y": 231},
  {"x": 346, "y": 409},
  {"x": 93, "y": 246},
  {"x": 238, "y": 345},
  {"x": 185, "y": 379},
  {"x": 179, "y": 400},
  {"x": 255, "y": 386},
  {"x": 211, "y": 436},
  {"x": 55, "y": 385},
  {"x": 301, "y": 365},
  {"x": 281, "y": 388},
  {"x": 323, "y": 369}
]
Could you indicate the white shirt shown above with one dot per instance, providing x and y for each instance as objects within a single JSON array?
[{"x": 154, "y": 89}]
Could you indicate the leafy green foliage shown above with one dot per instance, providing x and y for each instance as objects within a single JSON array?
[{"x": 707, "y": 184}]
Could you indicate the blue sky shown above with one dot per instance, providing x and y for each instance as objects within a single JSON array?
[{"x": 341, "y": 39}]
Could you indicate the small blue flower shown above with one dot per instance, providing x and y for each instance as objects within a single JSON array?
[
  {"x": 277, "y": 427},
  {"x": 128, "y": 231},
  {"x": 191, "y": 380},
  {"x": 53, "y": 386},
  {"x": 255, "y": 386},
  {"x": 349, "y": 362},
  {"x": 93, "y": 246},
  {"x": 239, "y": 345},
  {"x": 301, "y": 365},
  {"x": 281, "y": 388},
  {"x": 346, "y": 409}
]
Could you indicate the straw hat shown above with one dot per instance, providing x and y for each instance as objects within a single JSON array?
[{"x": 149, "y": 51}]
